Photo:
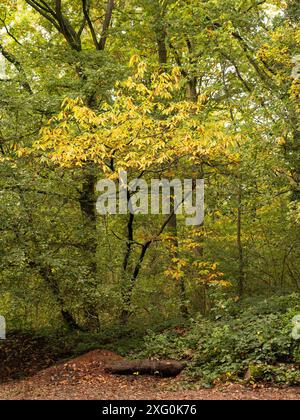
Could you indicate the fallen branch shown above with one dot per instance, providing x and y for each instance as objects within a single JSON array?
[{"x": 164, "y": 368}]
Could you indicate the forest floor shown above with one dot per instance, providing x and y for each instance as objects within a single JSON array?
[{"x": 85, "y": 378}]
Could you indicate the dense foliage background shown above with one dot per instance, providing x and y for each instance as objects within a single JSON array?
[{"x": 174, "y": 88}]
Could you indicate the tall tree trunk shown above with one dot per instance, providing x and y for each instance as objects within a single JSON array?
[
  {"x": 173, "y": 228},
  {"x": 241, "y": 272},
  {"x": 87, "y": 202},
  {"x": 45, "y": 273},
  {"x": 161, "y": 37},
  {"x": 127, "y": 296}
]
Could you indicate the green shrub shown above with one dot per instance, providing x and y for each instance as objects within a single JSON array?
[{"x": 227, "y": 348}]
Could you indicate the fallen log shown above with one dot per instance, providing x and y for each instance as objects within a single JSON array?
[{"x": 163, "y": 368}]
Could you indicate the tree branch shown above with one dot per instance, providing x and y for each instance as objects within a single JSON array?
[
  {"x": 44, "y": 12},
  {"x": 256, "y": 5},
  {"x": 9, "y": 33},
  {"x": 106, "y": 23},
  {"x": 13, "y": 60},
  {"x": 85, "y": 8},
  {"x": 58, "y": 20}
]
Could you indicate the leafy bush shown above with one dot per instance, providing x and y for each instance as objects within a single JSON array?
[{"x": 234, "y": 346}]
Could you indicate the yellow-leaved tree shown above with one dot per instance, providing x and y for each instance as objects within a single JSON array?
[{"x": 146, "y": 129}]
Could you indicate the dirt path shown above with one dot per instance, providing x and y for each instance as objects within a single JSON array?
[{"x": 85, "y": 378}]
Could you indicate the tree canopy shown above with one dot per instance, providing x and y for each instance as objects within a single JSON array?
[{"x": 171, "y": 89}]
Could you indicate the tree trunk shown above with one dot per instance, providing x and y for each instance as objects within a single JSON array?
[
  {"x": 241, "y": 274},
  {"x": 87, "y": 202}
]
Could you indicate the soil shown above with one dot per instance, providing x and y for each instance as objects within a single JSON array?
[{"x": 85, "y": 378}]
